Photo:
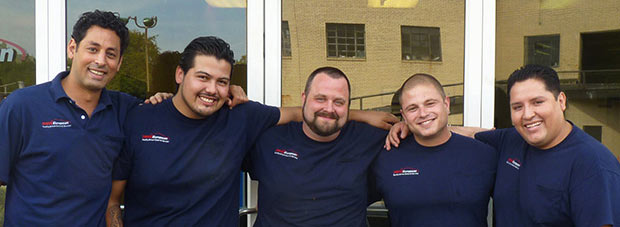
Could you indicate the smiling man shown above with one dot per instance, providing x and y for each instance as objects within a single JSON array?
[
  {"x": 550, "y": 172},
  {"x": 59, "y": 139},
  {"x": 435, "y": 178},
  {"x": 314, "y": 173}
]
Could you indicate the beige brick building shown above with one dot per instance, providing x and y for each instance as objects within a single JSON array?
[
  {"x": 575, "y": 22},
  {"x": 382, "y": 66}
]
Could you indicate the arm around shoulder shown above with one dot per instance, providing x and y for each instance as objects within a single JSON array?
[{"x": 290, "y": 114}]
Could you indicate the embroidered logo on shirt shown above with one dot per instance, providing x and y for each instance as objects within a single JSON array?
[
  {"x": 407, "y": 171},
  {"x": 56, "y": 123},
  {"x": 155, "y": 137},
  {"x": 285, "y": 153},
  {"x": 514, "y": 163}
]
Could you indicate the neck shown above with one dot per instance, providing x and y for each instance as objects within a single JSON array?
[
  {"x": 310, "y": 134},
  {"x": 84, "y": 98},
  {"x": 435, "y": 140}
]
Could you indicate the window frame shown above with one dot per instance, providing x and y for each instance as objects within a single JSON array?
[
  {"x": 355, "y": 30},
  {"x": 411, "y": 31}
]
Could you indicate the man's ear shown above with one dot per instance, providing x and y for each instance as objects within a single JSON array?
[
  {"x": 178, "y": 75},
  {"x": 71, "y": 48},
  {"x": 562, "y": 100},
  {"x": 303, "y": 98},
  {"x": 120, "y": 62},
  {"x": 447, "y": 102}
]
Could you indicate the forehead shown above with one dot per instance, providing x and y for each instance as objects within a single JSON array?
[
  {"x": 528, "y": 89},
  {"x": 211, "y": 65},
  {"x": 102, "y": 36},
  {"x": 325, "y": 85},
  {"x": 420, "y": 93}
]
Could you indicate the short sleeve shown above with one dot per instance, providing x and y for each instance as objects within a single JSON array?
[
  {"x": 259, "y": 118},
  {"x": 595, "y": 201},
  {"x": 10, "y": 136},
  {"x": 492, "y": 137}
]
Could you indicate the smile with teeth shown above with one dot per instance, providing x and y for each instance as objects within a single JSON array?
[
  {"x": 426, "y": 122},
  {"x": 96, "y": 72},
  {"x": 207, "y": 100},
  {"x": 533, "y": 125}
]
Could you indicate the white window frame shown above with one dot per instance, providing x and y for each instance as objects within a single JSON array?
[{"x": 50, "y": 43}]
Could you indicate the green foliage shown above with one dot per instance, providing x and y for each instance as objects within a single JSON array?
[
  {"x": 17, "y": 70},
  {"x": 2, "y": 195},
  {"x": 132, "y": 76}
]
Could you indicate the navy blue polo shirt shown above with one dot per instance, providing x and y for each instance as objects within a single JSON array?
[
  {"x": 575, "y": 183},
  {"x": 303, "y": 182},
  {"x": 185, "y": 172},
  {"x": 57, "y": 162},
  {"x": 445, "y": 185}
]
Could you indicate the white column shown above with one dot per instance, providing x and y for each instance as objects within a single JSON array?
[
  {"x": 255, "y": 78},
  {"x": 479, "y": 80},
  {"x": 50, "y": 41}
]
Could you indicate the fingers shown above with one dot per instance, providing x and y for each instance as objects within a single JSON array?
[
  {"x": 387, "y": 143},
  {"x": 391, "y": 118}
]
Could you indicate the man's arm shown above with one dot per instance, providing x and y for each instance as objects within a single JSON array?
[
  {"x": 113, "y": 213},
  {"x": 377, "y": 119},
  {"x": 290, "y": 114}
]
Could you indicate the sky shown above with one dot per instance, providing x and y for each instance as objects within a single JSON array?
[{"x": 179, "y": 21}]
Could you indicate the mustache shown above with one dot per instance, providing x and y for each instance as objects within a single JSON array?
[{"x": 331, "y": 115}]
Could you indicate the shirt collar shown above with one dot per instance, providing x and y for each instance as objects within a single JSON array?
[{"x": 59, "y": 93}]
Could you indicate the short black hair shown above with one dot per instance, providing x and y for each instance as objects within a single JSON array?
[
  {"x": 543, "y": 73},
  {"x": 331, "y": 72},
  {"x": 104, "y": 19},
  {"x": 208, "y": 46}
]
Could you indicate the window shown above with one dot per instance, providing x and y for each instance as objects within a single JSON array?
[
  {"x": 345, "y": 40},
  {"x": 421, "y": 43},
  {"x": 542, "y": 50},
  {"x": 286, "y": 40}
]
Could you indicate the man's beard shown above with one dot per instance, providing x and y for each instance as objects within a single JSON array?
[{"x": 326, "y": 130}]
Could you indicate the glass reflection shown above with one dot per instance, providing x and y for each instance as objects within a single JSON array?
[
  {"x": 158, "y": 36},
  {"x": 17, "y": 46},
  {"x": 582, "y": 45}
]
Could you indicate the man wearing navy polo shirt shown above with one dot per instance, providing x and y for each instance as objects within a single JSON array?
[
  {"x": 436, "y": 178},
  {"x": 59, "y": 139},
  {"x": 550, "y": 172},
  {"x": 181, "y": 159},
  {"x": 314, "y": 173}
]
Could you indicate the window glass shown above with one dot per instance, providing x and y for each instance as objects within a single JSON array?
[
  {"x": 17, "y": 46},
  {"x": 345, "y": 40},
  {"x": 158, "y": 35},
  {"x": 378, "y": 44},
  {"x": 542, "y": 50},
  {"x": 421, "y": 43},
  {"x": 581, "y": 42},
  {"x": 17, "y": 54},
  {"x": 286, "y": 40}
]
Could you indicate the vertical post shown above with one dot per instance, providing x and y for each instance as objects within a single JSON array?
[{"x": 146, "y": 59}]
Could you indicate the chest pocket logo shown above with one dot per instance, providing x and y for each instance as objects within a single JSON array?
[
  {"x": 407, "y": 171},
  {"x": 56, "y": 123},
  {"x": 287, "y": 154},
  {"x": 155, "y": 137}
]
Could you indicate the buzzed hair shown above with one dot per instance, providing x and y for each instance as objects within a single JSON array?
[
  {"x": 417, "y": 79},
  {"x": 332, "y": 72}
]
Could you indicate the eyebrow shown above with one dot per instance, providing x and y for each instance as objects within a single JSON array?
[{"x": 208, "y": 74}]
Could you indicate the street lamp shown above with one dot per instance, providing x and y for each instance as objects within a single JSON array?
[{"x": 147, "y": 23}]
